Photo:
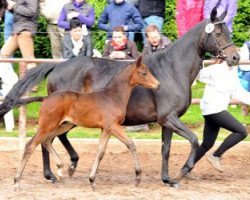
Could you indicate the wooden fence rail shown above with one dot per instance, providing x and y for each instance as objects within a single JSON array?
[{"x": 22, "y": 70}]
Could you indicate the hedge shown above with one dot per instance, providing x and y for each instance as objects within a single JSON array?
[{"x": 240, "y": 34}]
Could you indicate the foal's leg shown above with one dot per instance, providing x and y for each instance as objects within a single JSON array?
[
  {"x": 29, "y": 149},
  {"x": 121, "y": 135},
  {"x": 100, "y": 153},
  {"x": 48, "y": 145}
]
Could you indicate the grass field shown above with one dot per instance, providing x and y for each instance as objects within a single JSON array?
[{"x": 192, "y": 118}]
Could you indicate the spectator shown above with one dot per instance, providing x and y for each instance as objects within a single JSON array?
[
  {"x": 221, "y": 83},
  {"x": 152, "y": 12},
  {"x": 24, "y": 28},
  {"x": 188, "y": 14},
  {"x": 79, "y": 9},
  {"x": 126, "y": 12},
  {"x": 75, "y": 43},
  {"x": 244, "y": 73},
  {"x": 8, "y": 24},
  {"x": 230, "y": 6},
  {"x": 155, "y": 41},
  {"x": 119, "y": 47},
  {"x": 131, "y": 34},
  {"x": 51, "y": 9}
]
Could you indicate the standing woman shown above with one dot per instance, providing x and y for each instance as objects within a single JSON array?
[
  {"x": 24, "y": 28},
  {"x": 222, "y": 83}
]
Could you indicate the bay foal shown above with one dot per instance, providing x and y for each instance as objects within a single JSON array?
[{"x": 104, "y": 109}]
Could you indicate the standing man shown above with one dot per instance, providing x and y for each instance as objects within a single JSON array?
[
  {"x": 51, "y": 9},
  {"x": 119, "y": 13},
  {"x": 152, "y": 12}
]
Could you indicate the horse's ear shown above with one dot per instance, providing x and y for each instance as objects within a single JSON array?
[
  {"x": 223, "y": 15},
  {"x": 138, "y": 61},
  {"x": 213, "y": 14}
]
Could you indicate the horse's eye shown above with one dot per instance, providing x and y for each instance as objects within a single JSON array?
[{"x": 144, "y": 73}]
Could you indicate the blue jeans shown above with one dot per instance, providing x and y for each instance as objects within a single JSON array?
[
  {"x": 156, "y": 20},
  {"x": 8, "y": 25}
]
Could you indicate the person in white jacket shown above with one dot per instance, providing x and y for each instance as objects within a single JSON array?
[{"x": 222, "y": 83}]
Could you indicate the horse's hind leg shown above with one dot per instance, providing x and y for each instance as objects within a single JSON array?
[
  {"x": 100, "y": 153},
  {"x": 118, "y": 132},
  {"x": 48, "y": 145},
  {"x": 29, "y": 149},
  {"x": 73, "y": 155},
  {"x": 46, "y": 166}
]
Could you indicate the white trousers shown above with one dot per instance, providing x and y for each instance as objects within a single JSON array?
[{"x": 8, "y": 79}]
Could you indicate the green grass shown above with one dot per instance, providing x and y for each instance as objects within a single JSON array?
[{"x": 193, "y": 118}]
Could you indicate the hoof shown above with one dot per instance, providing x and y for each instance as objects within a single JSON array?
[
  {"x": 71, "y": 170},
  {"x": 92, "y": 183},
  {"x": 137, "y": 182},
  {"x": 59, "y": 174},
  {"x": 50, "y": 177},
  {"x": 171, "y": 183},
  {"x": 16, "y": 187}
]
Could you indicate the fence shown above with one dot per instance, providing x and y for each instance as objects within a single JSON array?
[{"x": 22, "y": 70}]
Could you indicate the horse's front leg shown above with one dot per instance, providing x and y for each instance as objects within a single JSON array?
[
  {"x": 118, "y": 132},
  {"x": 165, "y": 151},
  {"x": 179, "y": 128}
]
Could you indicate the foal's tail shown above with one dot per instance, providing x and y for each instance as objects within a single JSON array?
[
  {"x": 32, "y": 78},
  {"x": 24, "y": 101}
]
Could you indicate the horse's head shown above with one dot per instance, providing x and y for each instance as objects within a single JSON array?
[
  {"x": 216, "y": 39},
  {"x": 3, "y": 6},
  {"x": 142, "y": 76}
]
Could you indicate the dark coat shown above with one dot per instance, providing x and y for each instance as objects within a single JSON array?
[
  {"x": 165, "y": 43},
  {"x": 67, "y": 47},
  {"x": 152, "y": 7},
  {"x": 25, "y": 16}
]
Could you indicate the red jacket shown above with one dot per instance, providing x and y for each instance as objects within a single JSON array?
[{"x": 188, "y": 14}]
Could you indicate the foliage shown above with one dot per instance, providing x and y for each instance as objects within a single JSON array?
[
  {"x": 241, "y": 26},
  {"x": 240, "y": 34}
]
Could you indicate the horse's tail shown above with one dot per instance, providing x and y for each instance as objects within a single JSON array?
[
  {"x": 24, "y": 101},
  {"x": 32, "y": 78}
]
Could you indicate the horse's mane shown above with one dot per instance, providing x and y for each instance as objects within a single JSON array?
[
  {"x": 111, "y": 68},
  {"x": 175, "y": 46}
]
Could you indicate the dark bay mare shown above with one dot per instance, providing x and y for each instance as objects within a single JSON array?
[
  {"x": 104, "y": 109},
  {"x": 175, "y": 69}
]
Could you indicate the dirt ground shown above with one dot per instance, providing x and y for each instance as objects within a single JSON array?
[{"x": 116, "y": 174}]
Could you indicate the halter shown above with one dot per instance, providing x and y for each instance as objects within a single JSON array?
[{"x": 209, "y": 29}]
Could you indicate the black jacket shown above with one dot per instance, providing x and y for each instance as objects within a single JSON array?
[{"x": 152, "y": 7}]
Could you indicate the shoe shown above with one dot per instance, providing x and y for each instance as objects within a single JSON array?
[{"x": 215, "y": 162}]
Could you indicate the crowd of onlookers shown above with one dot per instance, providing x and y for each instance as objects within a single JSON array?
[{"x": 69, "y": 24}]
